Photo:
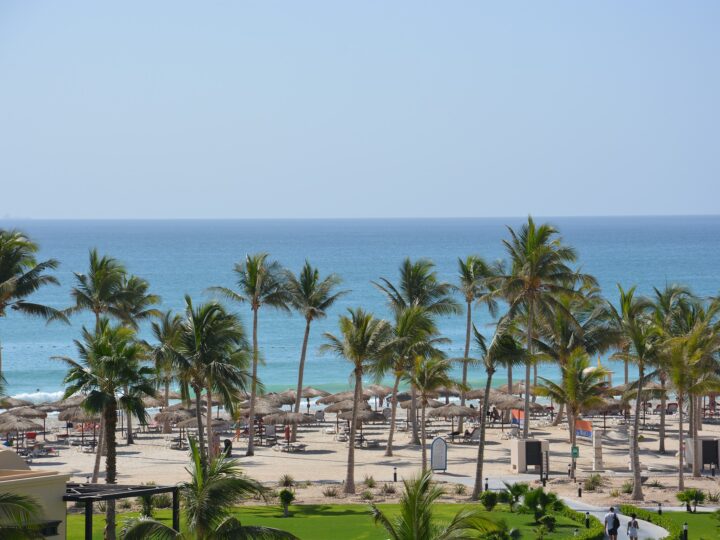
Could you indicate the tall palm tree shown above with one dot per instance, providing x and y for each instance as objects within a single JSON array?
[
  {"x": 210, "y": 354},
  {"x": 503, "y": 350},
  {"x": 166, "y": 332},
  {"x": 420, "y": 286},
  {"x": 363, "y": 340},
  {"x": 260, "y": 283},
  {"x": 208, "y": 500},
  {"x": 311, "y": 297},
  {"x": 474, "y": 286},
  {"x": 21, "y": 275},
  {"x": 638, "y": 346},
  {"x": 110, "y": 374},
  {"x": 18, "y": 514},
  {"x": 671, "y": 305},
  {"x": 415, "y": 520},
  {"x": 581, "y": 389},
  {"x": 415, "y": 334},
  {"x": 428, "y": 375},
  {"x": 539, "y": 273}
]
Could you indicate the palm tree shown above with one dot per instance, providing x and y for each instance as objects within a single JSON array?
[
  {"x": 669, "y": 317},
  {"x": 311, "y": 297},
  {"x": 110, "y": 365},
  {"x": 414, "y": 335},
  {"x": 415, "y": 519},
  {"x": 208, "y": 499},
  {"x": 539, "y": 273},
  {"x": 363, "y": 340},
  {"x": 210, "y": 354},
  {"x": 260, "y": 283},
  {"x": 503, "y": 350},
  {"x": 419, "y": 286},
  {"x": 581, "y": 389},
  {"x": 474, "y": 287},
  {"x": 167, "y": 335},
  {"x": 638, "y": 345},
  {"x": 428, "y": 375},
  {"x": 21, "y": 275},
  {"x": 18, "y": 514}
]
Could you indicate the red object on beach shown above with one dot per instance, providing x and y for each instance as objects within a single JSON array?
[{"x": 287, "y": 433}]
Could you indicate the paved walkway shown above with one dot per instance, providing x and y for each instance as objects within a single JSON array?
[{"x": 648, "y": 531}]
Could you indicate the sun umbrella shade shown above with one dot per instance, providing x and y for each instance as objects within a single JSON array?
[
  {"x": 152, "y": 402},
  {"x": 608, "y": 406},
  {"x": 9, "y": 422},
  {"x": 11, "y": 402},
  {"x": 346, "y": 405},
  {"x": 192, "y": 423},
  {"x": 174, "y": 416},
  {"x": 77, "y": 414},
  {"x": 432, "y": 403},
  {"x": 444, "y": 391},
  {"x": 261, "y": 409},
  {"x": 362, "y": 416},
  {"x": 28, "y": 412},
  {"x": 378, "y": 390},
  {"x": 452, "y": 411},
  {"x": 310, "y": 392},
  {"x": 287, "y": 417},
  {"x": 343, "y": 396}
]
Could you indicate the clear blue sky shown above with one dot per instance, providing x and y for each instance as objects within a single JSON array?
[{"x": 358, "y": 109}]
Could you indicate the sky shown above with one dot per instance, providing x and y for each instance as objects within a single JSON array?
[{"x": 173, "y": 109}]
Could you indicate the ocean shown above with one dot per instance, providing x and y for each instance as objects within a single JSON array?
[{"x": 188, "y": 256}]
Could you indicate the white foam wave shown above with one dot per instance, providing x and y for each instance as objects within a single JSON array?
[{"x": 40, "y": 397}]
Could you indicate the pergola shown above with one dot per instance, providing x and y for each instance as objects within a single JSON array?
[{"x": 92, "y": 493}]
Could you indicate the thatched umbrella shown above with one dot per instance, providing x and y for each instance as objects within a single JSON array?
[
  {"x": 72, "y": 401},
  {"x": 10, "y": 422},
  {"x": 192, "y": 423},
  {"x": 346, "y": 405},
  {"x": 447, "y": 392},
  {"x": 608, "y": 406},
  {"x": 78, "y": 414},
  {"x": 31, "y": 412},
  {"x": 362, "y": 417},
  {"x": 152, "y": 402},
  {"x": 287, "y": 418},
  {"x": 11, "y": 402},
  {"x": 310, "y": 392},
  {"x": 262, "y": 408},
  {"x": 174, "y": 395},
  {"x": 401, "y": 396},
  {"x": 174, "y": 416},
  {"x": 343, "y": 396},
  {"x": 431, "y": 404},
  {"x": 378, "y": 391},
  {"x": 452, "y": 411}
]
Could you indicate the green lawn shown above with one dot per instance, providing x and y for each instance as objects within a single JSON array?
[
  {"x": 334, "y": 522},
  {"x": 701, "y": 526}
]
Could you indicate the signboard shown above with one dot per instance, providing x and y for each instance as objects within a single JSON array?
[
  {"x": 575, "y": 452},
  {"x": 517, "y": 417},
  {"x": 438, "y": 454},
  {"x": 583, "y": 428}
]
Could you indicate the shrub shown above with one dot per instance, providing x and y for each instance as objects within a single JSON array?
[
  {"x": 540, "y": 502},
  {"x": 627, "y": 487},
  {"x": 388, "y": 489},
  {"x": 548, "y": 522},
  {"x": 488, "y": 499},
  {"x": 592, "y": 483},
  {"x": 367, "y": 495},
  {"x": 286, "y": 481},
  {"x": 615, "y": 493},
  {"x": 713, "y": 496},
  {"x": 460, "y": 489},
  {"x": 146, "y": 503},
  {"x": 512, "y": 493},
  {"x": 675, "y": 529},
  {"x": 596, "y": 530},
  {"x": 691, "y": 496},
  {"x": 330, "y": 491},
  {"x": 101, "y": 506},
  {"x": 655, "y": 484},
  {"x": 163, "y": 500},
  {"x": 124, "y": 504},
  {"x": 369, "y": 482},
  {"x": 286, "y": 498}
]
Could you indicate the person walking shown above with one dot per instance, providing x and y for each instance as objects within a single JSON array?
[
  {"x": 612, "y": 524},
  {"x": 633, "y": 527}
]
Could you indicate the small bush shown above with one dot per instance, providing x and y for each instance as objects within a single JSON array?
[
  {"x": 163, "y": 500},
  {"x": 713, "y": 496},
  {"x": 367, "y": 495},
  {"x": 146, "y": 503},
  {"x": 691, "y": 496},
  {"x": 330, "y": 491},
  {"x": 286, "y": 498},
  {"x": 286, "y": 481},
  {"x": 548, "y": 522},
  {"x": 369, "y": 482},
  {"x": 592, "y": 483},
  {"x": 615, "y": 492},
  {"x": 540, "y": 532},
  {"x": 655, "y": 484},
  {"x": 627, "y": 487},
  {"x": 460, "y": 489},
  {"x": 488, "y": 499},
  {"x": 388, "y": 489},
  {"x": 124, "y": 504},
  {"x": 101, "y": 506}
]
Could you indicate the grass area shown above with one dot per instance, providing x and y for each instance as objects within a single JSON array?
[
  {"x": 701, "y": 526},
  {"x": 330, "y": 522}
]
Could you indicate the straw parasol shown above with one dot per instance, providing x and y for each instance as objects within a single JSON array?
[
  {"x": 342, "y": 396},
  {"x": 431, "y": 404},
  {"x": 174, "y": 395},
  {"x": 362, "y": 416},
  {"x": 401, "y": 396},
  {"x": 261, "y": 409},
  {"x": 10, "y": 422},
  {"x": 378, "y": 390},
  {"x": 78, "y": 414},
  {"x": 31, "y": 412},
  {"x": 287, "y": 417},
  {"x": 192, "y": 423},
  {"x": 152, "y": 402},
  {"x": 452, "y": 410},
  {"x": 310, "y": 392},
  {"x": 346, "y": 405},
  {"x": 447, "y": 392},
  {"x": 11, "y": 402},
  {"x": 174, "y": 416}
]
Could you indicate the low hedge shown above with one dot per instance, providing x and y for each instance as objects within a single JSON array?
[
  {"x": 669, "y": 525},
  {"x": 596, "y": 530}
]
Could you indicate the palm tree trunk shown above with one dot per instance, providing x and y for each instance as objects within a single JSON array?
[
  {"x": 694, "y": 434},
  {"x": 350, "y": 477},
  {"x": 663, "y": 406},
  {"x": 478, "y": 487},
  {"x": 681, "y": 442},
  {"x": 301, "y": 369},
  {"x": 422, "y": 429},
  {"x": 413, "y": 415},
  {"x": 534, "y": 397},
  {"x": 506, "y": 412},
  {"x": 98, "y": 452},
  {"x": 627, "y": 374},
  {"x": 130, "y": 438},
  {"x": 572, "y": 418},
  {"x": 198, "y": 418},
  {"x": 466, "y": 356},
  {"x": 209, "y": 428},
  {"x": 110, "y": 467},
  {"x": 393, "y": 414},
  {"x": 167, "y": 428},
  {"x": 559, "y": 415},
  {"x": 253, "y": 388},
  {"x": 637, "y": 494},
  {"x": 526, "y": 420}
]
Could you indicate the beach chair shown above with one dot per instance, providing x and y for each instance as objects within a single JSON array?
[
  {"x": 319, "y": 416},
  {"x": 474, "y": 437},
  {"x": 672, "y": 408},
  {"x": 387, "y": 413}
]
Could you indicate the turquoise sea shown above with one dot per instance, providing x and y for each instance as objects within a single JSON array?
[{"x": 179, "y": 257}]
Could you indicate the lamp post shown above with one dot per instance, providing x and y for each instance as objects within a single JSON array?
[
  {"x": 394, "y": 474},
  {"x": 587, "y": 520},
  {"x": 685, "y": 531},
  {"x": 579, "y": 490},
  {"x": 659, "y": 509},
  {"x": 569, "y": 470},
  {"x": 487, "y": 484}
]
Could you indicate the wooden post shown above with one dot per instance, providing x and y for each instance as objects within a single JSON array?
[
  {"x": 176, "y": 510},
  {"x": 88, "y": 520}
]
